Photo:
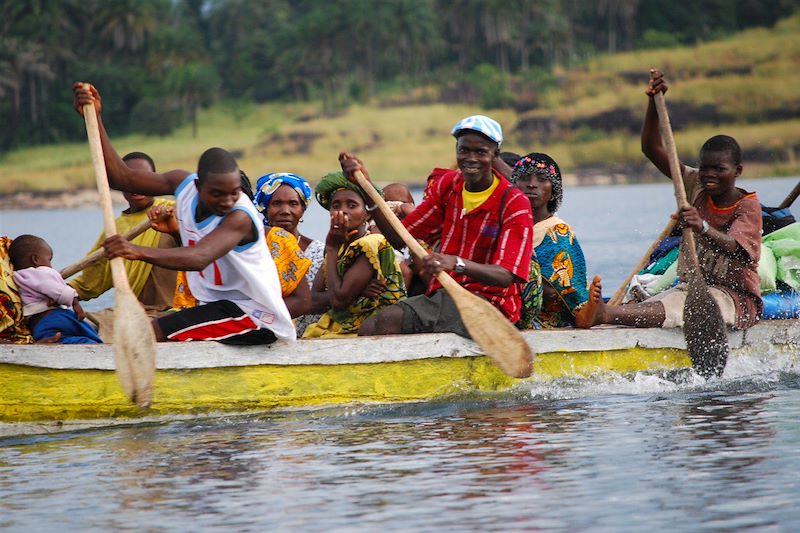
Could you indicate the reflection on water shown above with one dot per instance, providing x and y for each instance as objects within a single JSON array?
[
  {"x": 677, "y": 459},
  {"x": 621, "y": 453}
]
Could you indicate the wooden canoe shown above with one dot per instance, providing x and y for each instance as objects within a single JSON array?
[{"x": 54, "y": 387}]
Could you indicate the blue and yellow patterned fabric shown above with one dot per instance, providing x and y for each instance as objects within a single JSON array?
[{"x": 563, "y": 269}]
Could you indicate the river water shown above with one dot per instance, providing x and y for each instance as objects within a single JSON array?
[{"x": 618, "y": 453}]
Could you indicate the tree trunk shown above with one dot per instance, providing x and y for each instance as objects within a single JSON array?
[
  {"x": 32, "y": 91},
  {"x": 612, "y": 29},
  {"x": 502, "y": 52},
  {"x": 193, "y": 113}
]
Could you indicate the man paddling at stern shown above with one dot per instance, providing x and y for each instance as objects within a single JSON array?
[
  {"x": 486, "y": 232},
  {"x": 229, "y": 268},
  {"x": 726, "y": 221}
]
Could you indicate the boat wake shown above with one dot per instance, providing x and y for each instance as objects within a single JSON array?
[{"x": 774, "y": 369}]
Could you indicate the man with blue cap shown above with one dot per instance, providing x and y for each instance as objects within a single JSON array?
[{"x": 484, "y": 228}]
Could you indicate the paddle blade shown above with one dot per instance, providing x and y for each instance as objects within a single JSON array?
[
  {"x": 134, "y": 349},
  {"x": 497, "y": 337},
  {"x": 704, "y": 329}
]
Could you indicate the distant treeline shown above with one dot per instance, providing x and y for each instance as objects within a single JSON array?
[{"x": 159, "y": 61}]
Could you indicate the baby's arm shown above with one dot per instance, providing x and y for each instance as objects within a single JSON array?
[
  {"x": 76, "y": 306},
  {"x": 49, "y": 283}
]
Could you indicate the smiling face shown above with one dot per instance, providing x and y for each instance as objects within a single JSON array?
[
  {"x": 718, "y": 173},
  {"x": 138, "y": 202},
  {"x": 285, "y": 209},
  {"x": 352, "y": 205},
  {"x": 474, "y": 155},
  {"x": 218, "y": 193}
]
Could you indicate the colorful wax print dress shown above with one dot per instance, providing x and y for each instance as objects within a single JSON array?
[
  {"x": 532, "y": 297},
  {"x": 336, "y": 323},
  {"x": 292, "y": 264},
  {"x": 563, "y": 268},
  {"x": 12, "y": 322}
]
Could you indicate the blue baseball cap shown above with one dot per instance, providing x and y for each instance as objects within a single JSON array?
[{"x": 481, "y": 124}]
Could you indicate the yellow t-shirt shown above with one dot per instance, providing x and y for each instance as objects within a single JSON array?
[{"x": 473, "y": 200}]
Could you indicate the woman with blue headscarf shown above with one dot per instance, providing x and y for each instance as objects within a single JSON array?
[{"x": 282, "y": 198}]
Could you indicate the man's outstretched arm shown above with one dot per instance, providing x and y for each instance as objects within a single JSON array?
[{"x": 120, "y": 176}]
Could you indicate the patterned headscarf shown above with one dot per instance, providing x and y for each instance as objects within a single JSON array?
[
  {"x": 267, "y": 185},
  {"x": 545, "y": 165},
  {"x": 331, "y": 184}
]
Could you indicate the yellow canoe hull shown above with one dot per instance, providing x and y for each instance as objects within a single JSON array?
[{"x": 58, "y": 383}]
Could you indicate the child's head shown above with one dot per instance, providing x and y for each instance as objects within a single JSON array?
[
  {"x": 725, "y": 144},
  {"x": 510, "y": 158},
  {"x": 397, "y": 192},
  {"x": 29, "y": 251},
  {"x": 720, "y": 164},
  {"x": 138, "y": 161}
]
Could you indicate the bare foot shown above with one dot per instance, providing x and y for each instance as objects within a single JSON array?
[
  {"x": 593, "y": 310},
  {"x": 55, "y": 339}
]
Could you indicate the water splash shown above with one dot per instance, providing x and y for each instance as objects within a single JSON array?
[{"x": 774, "y": 367}]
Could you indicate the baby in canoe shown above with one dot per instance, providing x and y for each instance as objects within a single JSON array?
[{"x": 51, "y": 306}]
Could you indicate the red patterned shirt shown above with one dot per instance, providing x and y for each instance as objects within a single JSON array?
[{"x": 498, "y": 232}]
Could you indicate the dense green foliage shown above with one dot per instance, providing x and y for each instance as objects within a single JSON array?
[{"x": 162, "y": 60}]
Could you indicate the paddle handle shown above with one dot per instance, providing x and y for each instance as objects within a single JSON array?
[
  {"x": 99, "y": 254},
  {"x": 665, "y": 128},
  {"x": 391, "y": 218},
  {"x": 789, "y": 200},
  {"x": 616, "y": 299},
  {"x": 413, "y": 245},
  {"x": 96, "y": 147}
]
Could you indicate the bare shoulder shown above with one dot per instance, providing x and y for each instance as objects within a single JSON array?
[{"x": 174, "y": 178}]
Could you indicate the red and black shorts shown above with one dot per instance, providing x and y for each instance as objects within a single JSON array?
[{"x": 221, "y": 321}]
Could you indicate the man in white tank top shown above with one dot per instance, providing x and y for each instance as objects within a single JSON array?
[{"x": 224, "y": 253}]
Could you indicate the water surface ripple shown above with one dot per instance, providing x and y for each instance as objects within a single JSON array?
[
  {"x": 658, "y": 456},
  {"x": 617, "y": 454}
]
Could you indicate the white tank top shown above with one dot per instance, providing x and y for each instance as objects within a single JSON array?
[{"x": 246, "y": 275}]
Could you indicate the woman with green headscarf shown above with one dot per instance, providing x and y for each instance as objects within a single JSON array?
[{"x": 341, "y": 286}]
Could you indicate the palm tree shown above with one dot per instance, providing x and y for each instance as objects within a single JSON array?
[
  {"x": 23, "y": 71},
  {"x": 194, "y": 84}
]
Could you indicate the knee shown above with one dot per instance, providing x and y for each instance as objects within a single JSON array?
[
  {"x": 159, "y": 334},
  {"x": 367, "y": 328},
  {"x": 388, "y": 321}
]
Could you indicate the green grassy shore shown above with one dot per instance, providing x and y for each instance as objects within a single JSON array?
[{"x": 587, "y": 117}]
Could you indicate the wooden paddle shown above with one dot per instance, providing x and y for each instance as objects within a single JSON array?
[
  {"x": 497, "y": 337},
  {"x": 99, "y": 254},
  {"x": 134, "y": 340},
  {"x": 791, "y": 197},
  {"x": 703, "y": 326},
  {"x": 616, "y": 299}
]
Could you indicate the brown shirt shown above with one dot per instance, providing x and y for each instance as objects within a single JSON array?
[{"x": 736, "y": 274}]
